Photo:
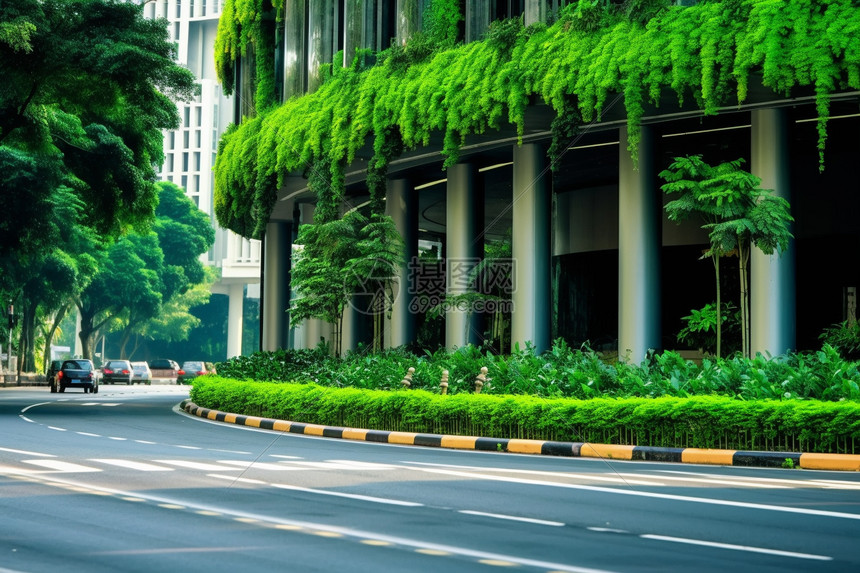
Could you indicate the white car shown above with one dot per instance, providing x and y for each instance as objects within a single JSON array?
[{"x": 142, "y": 373}]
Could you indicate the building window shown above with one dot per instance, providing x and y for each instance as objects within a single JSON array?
[
  {"x": 198, "y": 137},
  {"x": 185, "y": 140},
  {"x": 198, "y": 112},
  {"x": 185, "y": 162},
  {"x": 196, "y": 161},
  {"x": 184, "y": 182}
]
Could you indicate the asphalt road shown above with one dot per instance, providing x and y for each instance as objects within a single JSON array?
[{"x": 124, "y": 481}]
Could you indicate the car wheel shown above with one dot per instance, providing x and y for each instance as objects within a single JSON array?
[{"x": 86, "y": 390}]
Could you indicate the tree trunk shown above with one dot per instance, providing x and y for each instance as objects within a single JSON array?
[
  {"x": 49, "y": 336},
  {"x": 716, "y": 259},
  {"x": 743, "y": 258}
]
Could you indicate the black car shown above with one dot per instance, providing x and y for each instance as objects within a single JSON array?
[
  {"x": 51, "y": 374},
  {"x": 78, "y": 373},
  {"x": 117, "y": 371}
]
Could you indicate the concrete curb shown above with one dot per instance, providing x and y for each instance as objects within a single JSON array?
[{"x": 811, "y": 461}]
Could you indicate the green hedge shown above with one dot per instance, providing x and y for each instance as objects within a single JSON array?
[{"x": 699, "y": 421}]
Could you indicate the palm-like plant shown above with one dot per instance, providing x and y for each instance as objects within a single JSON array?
[{"x": 737, "y": 214}]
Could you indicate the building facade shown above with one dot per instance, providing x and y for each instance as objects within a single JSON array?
[
  {"x": 596, "y": 259},
  {"x": 190, "y": 151}
]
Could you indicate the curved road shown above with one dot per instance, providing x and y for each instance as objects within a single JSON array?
[{"x": 125, "y": 481}]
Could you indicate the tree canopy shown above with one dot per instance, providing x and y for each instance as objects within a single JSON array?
[
  {"x": 145, "y": 272},
  {"x": 87, "y": 88}
]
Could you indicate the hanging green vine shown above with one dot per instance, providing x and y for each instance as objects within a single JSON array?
[{"x": 709, "y": 53}]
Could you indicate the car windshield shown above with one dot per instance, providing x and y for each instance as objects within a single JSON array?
[
  {"x": 139, "y": 367},
  {"x": 77, "y": 364},
  {"x": 116, "y": 364},
  {"x": 192, "y": 366}
]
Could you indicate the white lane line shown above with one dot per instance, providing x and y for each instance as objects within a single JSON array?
[
  {"x": 361, "y": 534},
  {"x": 132, "y": 465},
  {"x": 513, "y": 518},
  {"x": 285, "y": 457},
  {"x": 259, "y": 465},
  {"x": 195, "y": 465},
  {"x": 588, "y": 477},
  {"x": 118, "y": 439},
  {"x": 230, "y": 451},
  {"x": 61, "y": 466},
  {"x": 187, "y": 447},
  {"x": 340, "y": 494},
  {"x": 731, "y": 482},
  {"x": 607, "y": 530},
  {"x": 635, "y": 493},
  {"x": 145, "y": 442},
  {"x": 26, "y": 453},
  {"x": 737, "y": 547},
  {"x": 357, "y": 465},
  {"x": 57, "y": 429},
  {"x": 341, "y": 465},
  {"x": 88, "y": 434}
]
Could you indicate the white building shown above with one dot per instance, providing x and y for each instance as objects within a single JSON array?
[{"x": 190, "y": 150}]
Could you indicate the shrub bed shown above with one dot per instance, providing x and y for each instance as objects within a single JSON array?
[
  {"x": 565, "y": 372},
  {"x": 698, "y": 421}
]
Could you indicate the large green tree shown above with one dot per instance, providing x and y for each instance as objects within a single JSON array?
[
  {"x": 87, "y": 88},
  {"x": 91, "y": 84},
  {"x": 144, "y": 272}
]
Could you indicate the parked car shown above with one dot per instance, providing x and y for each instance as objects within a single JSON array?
[
  {"x": 191, "y": 369},
  {"x": 141, "y": 373},
  {"x": 51, "y": 374},
  {"x": 117, "y": 371},
  {"x": 164, "y": 368},
  {"x": 78, "y": 373}
]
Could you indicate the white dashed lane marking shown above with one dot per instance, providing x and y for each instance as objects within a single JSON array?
[{"x": 132, "y": 465}]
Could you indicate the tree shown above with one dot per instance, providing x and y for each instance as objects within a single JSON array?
[
  {"x": 145, "y": 271},
  {"x": 342, "y": 256},
  {"x": 88, "y": 85},
  {"x": 737, "y": 215},
  {"x": 94, "y": 81}
]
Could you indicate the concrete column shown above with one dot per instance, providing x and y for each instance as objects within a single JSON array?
[
  {"x": 275, "y": 286},
  {"x": 535, "y": 12},
  {"x": 234, "y": 320},
  {"x": 464, "y": 249},
  {"x": 639, "y": 241},
  {"x": 530, "y": 236},
  {"x": 773, "y": 308},
  {"x": 401, "y": 204}
]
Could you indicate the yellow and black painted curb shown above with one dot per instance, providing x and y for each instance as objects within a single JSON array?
[{"x": 812, "y": 461}]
